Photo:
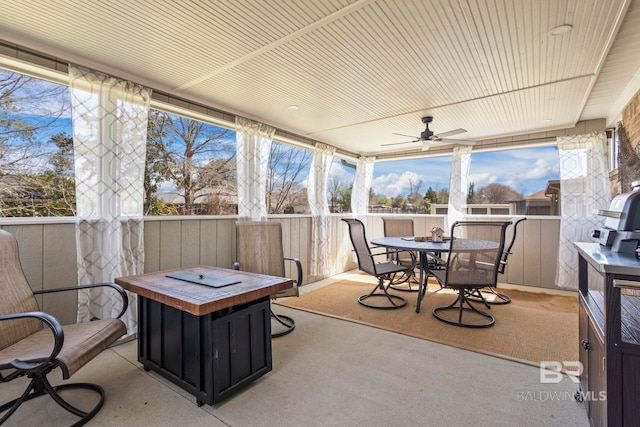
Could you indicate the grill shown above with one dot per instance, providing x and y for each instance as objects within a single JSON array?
[{"x": 621, "y": 229}]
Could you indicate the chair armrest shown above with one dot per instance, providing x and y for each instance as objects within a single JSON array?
[
  {"x": 389, "y": 252},
  {"x": 118, "y": 288},
  {"x": 58, "y": 337},
  {"x": 299, "y": 267},
  {"x": 438, "y": 262},
  {"x": 414, "y": 262}
]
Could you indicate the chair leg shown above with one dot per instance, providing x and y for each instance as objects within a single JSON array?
[
  {"x": 458, "y": 305},
  {"x": 475, "y": 295},
  {"x": 40, "y": 386},
  {"x": 406, "y": 283},
  {"x": 13, "y": 405},
  {"x": 285, "y": 321},
  {"x": 500, "y": 298},
  {"x": 393, "y": 301}
]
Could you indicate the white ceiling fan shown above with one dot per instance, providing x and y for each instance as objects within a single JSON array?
[{"x": 427, "y": 137}]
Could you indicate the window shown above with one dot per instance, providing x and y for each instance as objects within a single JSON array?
[
  {"x": 411, "y": 186},
  {"x": 190, "y": 168},
  {"x": 36, "y": 148},
  {"x": 286, "y": 179},
  {"x": 524, "y": 181},
  {"x": 340, "y": 185}
]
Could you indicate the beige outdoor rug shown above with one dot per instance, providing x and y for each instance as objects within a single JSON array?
[{"x": 532, "y": 328}]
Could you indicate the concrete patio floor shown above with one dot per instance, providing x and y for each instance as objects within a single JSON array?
[{"x": 329, "y": 372}]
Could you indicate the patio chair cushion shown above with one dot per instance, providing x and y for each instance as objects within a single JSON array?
[{"x": 82, "y": 342}]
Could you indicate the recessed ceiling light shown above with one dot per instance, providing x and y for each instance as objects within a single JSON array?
[
  {"x": 292, "y": 107},
  {"x": 560, "y": 30}
]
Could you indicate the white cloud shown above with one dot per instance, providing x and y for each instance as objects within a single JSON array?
[
  {"x": 339, "y": 171},
  {"x": 540, "y": 170},
  {"x": 481, "y": 179},
  {"x": 392, "y": 185},
  {"x": 335, "y": 170}
]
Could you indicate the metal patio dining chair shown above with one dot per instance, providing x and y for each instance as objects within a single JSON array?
[
  {"x": 495, "y": 297},
  {"x": 402, "y": 227},
  {"x": 33, "y": 343},
  {"x": 259, "y": 249},
  {"x": 472, "y": 263},
  {"x": 384, "y": 271}
]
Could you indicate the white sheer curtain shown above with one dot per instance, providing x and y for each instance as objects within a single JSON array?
[
  {"x": 253, "y": 145},
  {"x": 109, "y": 141},
  {"x": 584, "y": 189},
  {"x": 361, "y": 187},
  {"x": 459, "y": 186},
  {"x": 320, "y": 220}
]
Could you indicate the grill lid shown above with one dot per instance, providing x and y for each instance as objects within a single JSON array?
[{"x": 624, "y": 211}]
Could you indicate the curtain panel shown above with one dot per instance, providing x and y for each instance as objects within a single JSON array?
[
  {"x": 109, "y": 119},
  {"x": 362, "y": 187},
  {"x": 459, "y": 186},
  {"x": 320, "y": 262},
  {"x": 253, "y": 146},
  {"x": 584, "y": 189}
]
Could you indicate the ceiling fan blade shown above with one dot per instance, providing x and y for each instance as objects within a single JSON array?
[
  {"x": 398, "y": 143},
  {"x": 401, "y": 134},
  {"x": 451, "y": 133}
]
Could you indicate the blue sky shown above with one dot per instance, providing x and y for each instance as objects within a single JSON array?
[{"x": 526, "y": 170}]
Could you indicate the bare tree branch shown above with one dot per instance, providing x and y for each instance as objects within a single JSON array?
[{"x": 286, "y": 163}]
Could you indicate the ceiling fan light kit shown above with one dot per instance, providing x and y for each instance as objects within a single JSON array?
[{"x": 427, "y": 133}]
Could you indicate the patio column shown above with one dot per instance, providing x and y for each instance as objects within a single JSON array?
[
  {"x": 459, "y": 186},
  {"x": 253, "y": 146},
  {"x": 584, "y": 189},
  {"x": 320, "y": 218},
  {"x": 109, "y": 119}
]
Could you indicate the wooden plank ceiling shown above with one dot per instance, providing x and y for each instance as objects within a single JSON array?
[{"x": 358, "y": 71}]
